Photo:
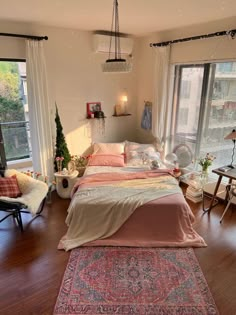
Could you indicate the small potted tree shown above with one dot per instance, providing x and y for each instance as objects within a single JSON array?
[{"x": 62, "y": 151}]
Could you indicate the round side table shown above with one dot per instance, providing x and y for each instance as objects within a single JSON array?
[{"x": 65, "y": 183}]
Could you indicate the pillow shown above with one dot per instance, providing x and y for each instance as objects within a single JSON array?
[
  {"x": 9, "y": 187},
  {"x": 110, "y": 148},
  {"x": 106, "y": 160},
  {"x": 133, "y": 146},
  {"x": 134, "y": 158}
]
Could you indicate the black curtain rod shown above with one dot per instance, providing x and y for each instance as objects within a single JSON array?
[
  {"x": 25, "y": 36},
  {"x": 232, "y": 33}
]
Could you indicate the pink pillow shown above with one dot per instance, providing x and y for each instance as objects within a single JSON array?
[
  {"x": 109, "y": 148},
  {"x": 106, "y": 160},
  {"x": 9, "y": 187}
]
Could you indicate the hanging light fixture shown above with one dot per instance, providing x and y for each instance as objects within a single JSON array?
[{"x": 116, "y": 64}]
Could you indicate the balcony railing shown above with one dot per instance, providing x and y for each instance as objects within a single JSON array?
[{"x": 16, "y": 137}]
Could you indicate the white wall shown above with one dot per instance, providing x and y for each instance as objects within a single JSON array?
[
  {"x": 221, "y": 48},
  {"x": 75, "y": 77}
]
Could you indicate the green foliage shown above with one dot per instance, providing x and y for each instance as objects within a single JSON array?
[
  {"x": 61, "y": 146},
  {"x": 11, "y": 110},
  {"x": 11, "y": 107},
  {"x": 9, "y": 80}
]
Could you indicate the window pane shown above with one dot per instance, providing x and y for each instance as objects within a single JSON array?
[
  {"x": 220, "y": 113},
  {"x": 188, "y": 108},
  {"x": 14, "y": 110}
]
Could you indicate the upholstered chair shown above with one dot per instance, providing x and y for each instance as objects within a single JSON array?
[{"x": 30, "y": 200}]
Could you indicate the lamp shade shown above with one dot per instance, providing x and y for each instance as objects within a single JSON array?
[
  {"x": 116, "y": 64},
  {"x": 231, "y": 136}
]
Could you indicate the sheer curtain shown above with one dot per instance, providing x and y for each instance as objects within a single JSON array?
[
  {"x": 160, "y": 104},
  {"x": 39, "y": 111}
]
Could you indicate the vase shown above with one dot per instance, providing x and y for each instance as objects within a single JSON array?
[
  {"x": 59, "y": 166},
  {"x": 204, "y": 175}
]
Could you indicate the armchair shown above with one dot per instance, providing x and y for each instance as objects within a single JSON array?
[{"x": 31, "y": 201}]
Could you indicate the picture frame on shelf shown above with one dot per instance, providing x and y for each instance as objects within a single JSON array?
[{"x": 93, "y": 107}]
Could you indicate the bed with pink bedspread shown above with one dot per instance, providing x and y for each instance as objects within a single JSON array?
[{"x": 129, "y": 208}]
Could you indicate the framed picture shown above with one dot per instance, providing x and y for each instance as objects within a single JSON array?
[{"x": 92, "y": 108}]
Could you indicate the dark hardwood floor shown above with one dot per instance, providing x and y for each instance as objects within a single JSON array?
[{"x": 32, "y": 268}]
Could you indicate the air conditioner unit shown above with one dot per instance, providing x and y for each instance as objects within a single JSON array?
[{"x": 101, "y": 44}]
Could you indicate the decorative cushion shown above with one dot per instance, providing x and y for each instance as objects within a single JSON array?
[
  {"x": 110, "y": 148},
  {"x": 135, "y": 158},
  {"x": 138, "y": 147},
  {"x": 106, "y": 160},
  {"x": 9, "y": 187}
]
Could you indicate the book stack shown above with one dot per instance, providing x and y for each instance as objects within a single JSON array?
[{"x": 194, "y": 194}]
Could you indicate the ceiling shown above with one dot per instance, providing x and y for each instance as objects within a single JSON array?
[{"x": 137, "y": 17}]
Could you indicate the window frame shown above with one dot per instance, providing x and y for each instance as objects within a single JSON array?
[{"x": 177, "y": 96}]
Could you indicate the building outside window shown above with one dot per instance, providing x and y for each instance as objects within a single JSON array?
[{"x": 211, "y": 113}]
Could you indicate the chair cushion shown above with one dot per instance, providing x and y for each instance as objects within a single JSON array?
[{"x": 9, "y": 187}]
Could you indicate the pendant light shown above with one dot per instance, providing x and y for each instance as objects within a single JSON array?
[{"x": 116, "y": 64}]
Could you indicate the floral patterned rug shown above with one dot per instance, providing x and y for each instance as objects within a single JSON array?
[{"x": 123, "y": 280}]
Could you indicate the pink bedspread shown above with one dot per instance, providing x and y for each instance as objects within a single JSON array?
[{"x": 166, "y": 221}]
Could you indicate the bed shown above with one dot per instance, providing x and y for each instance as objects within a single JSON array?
[{"x": 128, "y": 205}]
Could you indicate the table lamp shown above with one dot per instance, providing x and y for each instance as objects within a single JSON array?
[{"x": 232, "y": 136}]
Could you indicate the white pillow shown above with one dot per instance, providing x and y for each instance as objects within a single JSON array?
[
  {"x": 138, "y": 147},
  {"x": 134, "y": 158},
  {"x": 109, "y": 148}
]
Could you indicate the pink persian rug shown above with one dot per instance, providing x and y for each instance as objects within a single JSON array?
[{"x": 121, "y": 280}]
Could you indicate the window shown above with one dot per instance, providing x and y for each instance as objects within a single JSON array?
[
  {"x": 185, "y": 89},
  {"x": 211, "y": 113},
  {"x": 14, "y": 122}
]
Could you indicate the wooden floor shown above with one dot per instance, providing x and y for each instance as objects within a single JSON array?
[{"x": 32, "y": 268}]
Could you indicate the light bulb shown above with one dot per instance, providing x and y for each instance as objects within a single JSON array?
[{"x": 124, "y": 98}]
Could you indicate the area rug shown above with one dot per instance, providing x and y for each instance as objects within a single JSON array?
[{"x": 122, "y": 280}]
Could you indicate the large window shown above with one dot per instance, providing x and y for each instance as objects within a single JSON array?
[
  {"x": 208, "y": 114},
  {"x": 14, "y": 123}
]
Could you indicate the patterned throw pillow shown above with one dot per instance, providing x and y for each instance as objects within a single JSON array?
[{"x": 9, "y": 187}]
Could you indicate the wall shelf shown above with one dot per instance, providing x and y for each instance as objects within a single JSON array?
[
  {"x": 95, "y": 118},
  {"x": 122, "y": 115}
]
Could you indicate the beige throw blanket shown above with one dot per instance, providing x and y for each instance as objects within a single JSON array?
[{"x": 105, "y": 201}]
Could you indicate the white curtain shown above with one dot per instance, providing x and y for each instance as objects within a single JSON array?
[
  {"x": 160, "y": 104},
  {"x": 39, "y": 111}
]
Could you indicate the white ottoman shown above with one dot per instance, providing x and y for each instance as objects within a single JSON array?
[{"x": 65, "y": 183}]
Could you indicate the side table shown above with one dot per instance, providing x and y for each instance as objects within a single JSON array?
[
  {"x": 231, "y": 175},
  {"x": 65, "y": 183}
]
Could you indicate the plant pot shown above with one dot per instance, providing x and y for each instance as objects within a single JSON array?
[{"x": 81, "y": 170}]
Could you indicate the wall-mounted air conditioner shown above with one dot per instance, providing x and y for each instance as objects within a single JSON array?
[{"x": 101, "y": 43}]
